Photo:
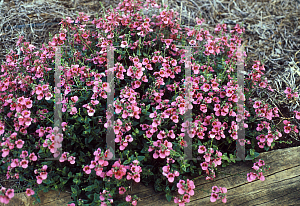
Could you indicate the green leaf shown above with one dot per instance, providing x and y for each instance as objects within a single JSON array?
[
  {"x": 225, "y": 157},
  {"x": 143, "y": 117},
  {"x": 74, "y": 190},
  {"x": 87, "y": 120},
  {"x": 80, "y": 119},
  {"x": 70, "y": 174},
  {"x": 169, "y": 197},
  {"x": 138, "y": 52},
  {"x": 256, "y": 154},
  {"x": 252, "y": 152},
  {"x": 89, "y": 188},
  {"x": 266, "y": 148},
  {"x": 148, "y": 107},
  {"x": 140, "y": 158},
  {"x": 126, "y": 162},
  {"x": 248, "y": 157}
]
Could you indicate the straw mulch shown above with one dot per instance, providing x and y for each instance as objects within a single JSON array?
[{"x": 272, "y": 33}]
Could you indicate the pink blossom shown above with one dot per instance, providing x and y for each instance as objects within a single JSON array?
[
  {"x": 122, "y": 190},
  {"x": 10, "y": 193},
  {"x": 29, "y": 192},
  {"x": 214, "y": 197},
  {"x": 201, "y": 149},
  {"x": 39, "y": 180}
]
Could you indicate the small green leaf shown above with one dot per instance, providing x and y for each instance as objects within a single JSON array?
[
  {"x": 256, "y": 154},
  {"x": 148, "y": 107},
  {"x": 140, "y": 158},
  {"x": 169, "y": 197},
  {"x": 126, "y": 162},
  {"x": 89, "y": 188},
  {"x": 248, "y": 157},
  {"x": 80, "y": 119},
  {"x": 74, "y": 190},
  {"x": 70, "y": 174}
]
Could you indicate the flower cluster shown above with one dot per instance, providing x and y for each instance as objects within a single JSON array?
[
  {"x": 106, "y": 197},
  {"x": 135, "y": 171},
  {"x": 186, "y": 189},
  {"x": 218, "y": 193},
  {"x": 42, "y": 174},
  {"x": 259, "y": 167},
  {"x": 6, "y": 195},
  {"x": 289, "y": 95},
  {"x": 210, "y": 162},
  {"x": 66, "y": 156},
  {"x": 170, "y": 175},
  {"x": 99, "y": 162},
  {"x": 132, "y": 200}
]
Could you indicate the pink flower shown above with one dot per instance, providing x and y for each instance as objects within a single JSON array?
[
  {"x": 215, "y": 189},
  {"x": 251, "y": 176},
  {"x": 168, "y": 42},
  {"x": 62, "y": 36},
  {"x": 214, "y": 197},
  {"x": 39, "y": 180},
  {"x": 201, "y": 149},
  {"x": 287, "y": 129},
  {"x": 19, "y": 143},
  {"x": 261, "y": 177},
  {"x": 29, "y": 192},
  {"x": 297, "y": 114},
  {"x": 43, "y": 175},
  {"x": 287, "y": 90},
  {"x": 1, "y": 129},
  {"x": 224, "y": 200},
  {"x": 24, "y": 163},
  {"x": 122, "y": 190},
  {"x": 5, "y": 152},
  {"x": 124, "y": 44},
  {"x": 203, "y": 108},
  {"x": 170, "y": 177},
  {"x": 87, "y": 169},
  {"x": 256, "y": 104},
  {"x": 223, "y": 189},
  {"x": 10, "y": 193},
  {"x": 128, "y": 198},
  {"x": 205, "y": 87}
]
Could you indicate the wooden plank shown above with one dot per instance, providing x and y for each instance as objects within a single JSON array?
[
  {"x": 281, "y": 186},
  {"x": 51, "y": 198}
]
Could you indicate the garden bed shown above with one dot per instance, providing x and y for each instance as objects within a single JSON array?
[{"x": 282, "y": 178}]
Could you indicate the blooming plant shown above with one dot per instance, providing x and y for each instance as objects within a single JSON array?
[{"x": 149, "y": 107}]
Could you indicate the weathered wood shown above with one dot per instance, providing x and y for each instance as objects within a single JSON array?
[
  {"x": 281, "y": 186},
  {"x": 51, "y": 198}
]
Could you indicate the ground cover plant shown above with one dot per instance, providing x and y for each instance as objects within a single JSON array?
[{"x": 149, "y": 108}]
